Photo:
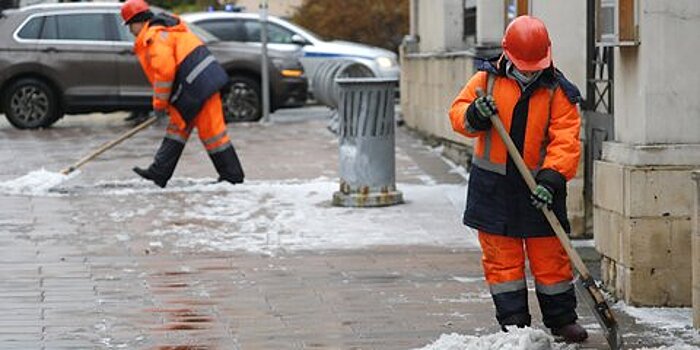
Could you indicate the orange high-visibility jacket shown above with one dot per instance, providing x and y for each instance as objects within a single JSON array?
[
  {"x": 552, "y": 133},
  {"x": 184, "y": 74},
  {"x": 544, "y": 123}
]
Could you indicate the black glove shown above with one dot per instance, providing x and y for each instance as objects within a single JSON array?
[
  {"x": 480, "y": 111},
  {"x": 550, "y": 183},
  {"x": 160, "y": 113}
]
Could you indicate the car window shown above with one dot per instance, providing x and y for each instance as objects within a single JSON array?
[
  {"x": 83, "y": 26},
  {"x": 123, "y": 30},
  {"x": 226, "y": 30},
  {"x": 275, "y": 34},
  {"x": 203, "y": 35},
  {"x": 32, "y": 29},
  {"x": 50, "y": 29}
]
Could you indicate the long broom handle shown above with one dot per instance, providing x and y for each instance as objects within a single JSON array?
[
  {"x": 530, "y": 181},
  {"x": 108, "y": 145}
]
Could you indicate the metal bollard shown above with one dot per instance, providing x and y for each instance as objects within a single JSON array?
[{"x": 367, "y": 159}]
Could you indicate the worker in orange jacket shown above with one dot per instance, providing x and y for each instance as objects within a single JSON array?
[
  {"x": 537, "y": 106},
  {"x": 186, "y": 80}
]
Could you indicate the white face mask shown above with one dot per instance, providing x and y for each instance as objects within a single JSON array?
[{"x": 523, "y": 78}]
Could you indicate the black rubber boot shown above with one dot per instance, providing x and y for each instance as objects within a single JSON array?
[
  {"x": 149, "y": 175},
  {"x": 164, "y": 162},
  {"x": 572, "y": 333},
  {"x": 228, "y": 165},
  {"x": 518, "y": 320}
]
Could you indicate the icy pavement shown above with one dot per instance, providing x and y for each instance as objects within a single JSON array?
[
  {"x": 104, "y": 260},
  {"x": 515, "y": 339}
]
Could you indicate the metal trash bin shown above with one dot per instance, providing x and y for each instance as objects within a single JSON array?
[
  {"x": 323, "y": 82},
  {"x": 326, "y": 91},
  {"x": 366, "y": 130}
]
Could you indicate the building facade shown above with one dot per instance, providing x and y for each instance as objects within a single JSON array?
[{"x": 632, "y": 61}]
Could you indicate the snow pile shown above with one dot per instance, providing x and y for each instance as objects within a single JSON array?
[
  {"x": 37, "y": 182},
  {"x": 515, "y": 339},
  {"x": 672, "y": 347},
  {"x": 269, "y": 216}
]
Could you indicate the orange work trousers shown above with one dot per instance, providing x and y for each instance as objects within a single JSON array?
[{"x": 503, "y": 260}]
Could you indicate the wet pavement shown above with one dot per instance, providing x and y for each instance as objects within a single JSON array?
[{"x": 107, "y": 261}]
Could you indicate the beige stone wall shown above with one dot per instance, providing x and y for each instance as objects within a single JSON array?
[
  {"x": 429, "y": 84},
  {"x": 642, "y": 224},
  {"x": 643, "y": 192}
]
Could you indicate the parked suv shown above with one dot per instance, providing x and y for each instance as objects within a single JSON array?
[{"x": 77, "y": 58}]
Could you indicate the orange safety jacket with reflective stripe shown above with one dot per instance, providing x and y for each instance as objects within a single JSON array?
[
  {"x": 544, "y": 123},
  {"x": 175, "y": 59},
  {"x": 552, "y": 133}
]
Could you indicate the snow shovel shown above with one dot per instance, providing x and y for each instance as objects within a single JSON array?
[
  {"x": 109, "y": 145},
  {"x": 585, "y": 284}
]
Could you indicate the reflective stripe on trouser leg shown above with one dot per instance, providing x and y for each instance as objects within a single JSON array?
[
  {"x": 504, "y": 266},
  {"x": 212, "y": 132},
  {"x": 553, "y": 280}
]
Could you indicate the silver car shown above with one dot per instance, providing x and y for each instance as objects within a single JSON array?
[
  {"x": 283, "y": 35},
  {"x": 58, "y": 59}
]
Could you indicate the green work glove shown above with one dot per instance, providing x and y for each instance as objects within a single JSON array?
[
  {"x": 542, "y": 197},
  {"x": 485, "y": 107}
]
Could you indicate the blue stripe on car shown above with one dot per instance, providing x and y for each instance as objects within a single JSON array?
[{"x": 334, "y": 55}]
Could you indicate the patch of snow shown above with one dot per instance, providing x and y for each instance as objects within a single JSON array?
[
  {"x": 468, "y": 279},
  {"x": 467, "y": 298},
  {"x": 658, "y": 317},
  {"x": 583, "y": 243},
  {"x": 35, "y": 183},
  {"x": 456, "y": 169},
  {"x": 674, "y": 326},
  {"x": 515, "y": 339},
  {"x": 267, "y": 216},
  {"x": 673, "y": 347}
]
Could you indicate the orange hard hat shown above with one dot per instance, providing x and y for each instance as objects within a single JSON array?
[
  {"x": 131, "y": 8},
  {"x": 527, "y": 44}
]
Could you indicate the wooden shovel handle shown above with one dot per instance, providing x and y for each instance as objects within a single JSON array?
[{"x": 109, "y": 145}]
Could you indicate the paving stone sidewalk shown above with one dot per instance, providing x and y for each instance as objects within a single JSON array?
[{"x": 85, "y": 267}]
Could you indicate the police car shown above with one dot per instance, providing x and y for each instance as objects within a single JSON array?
[{"x": 283, "y": 35}]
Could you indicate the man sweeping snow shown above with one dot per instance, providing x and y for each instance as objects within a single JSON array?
[{"x": 537, "y": 105}]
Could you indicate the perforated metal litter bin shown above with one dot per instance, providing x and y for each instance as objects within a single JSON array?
[{"x": 367, "y": 158}]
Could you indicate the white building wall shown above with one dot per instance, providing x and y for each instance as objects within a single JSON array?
[
  {"x": 657, "y": 83},
  {"x": 440, "y": 25},
  {"x": 490, "y": 22},
  {"x": 566, "y": 22},
  {"x": 642, "y": 188}
]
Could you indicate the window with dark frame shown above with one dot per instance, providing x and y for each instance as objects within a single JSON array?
[{"x": 469, "y": 29}]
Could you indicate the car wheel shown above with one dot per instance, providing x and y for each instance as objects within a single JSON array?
[
  {"x": 242, "y": 100},
  {"x": 31, "y": 104}
]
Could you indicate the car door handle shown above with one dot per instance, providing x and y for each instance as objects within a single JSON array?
[
  {"x": 126, "y": 52},
  {"x": 49, "y": 50}
]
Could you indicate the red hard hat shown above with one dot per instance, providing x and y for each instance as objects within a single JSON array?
[
  {"x": 132, "y": 8},
  {"x": 527, "y": 44}
]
